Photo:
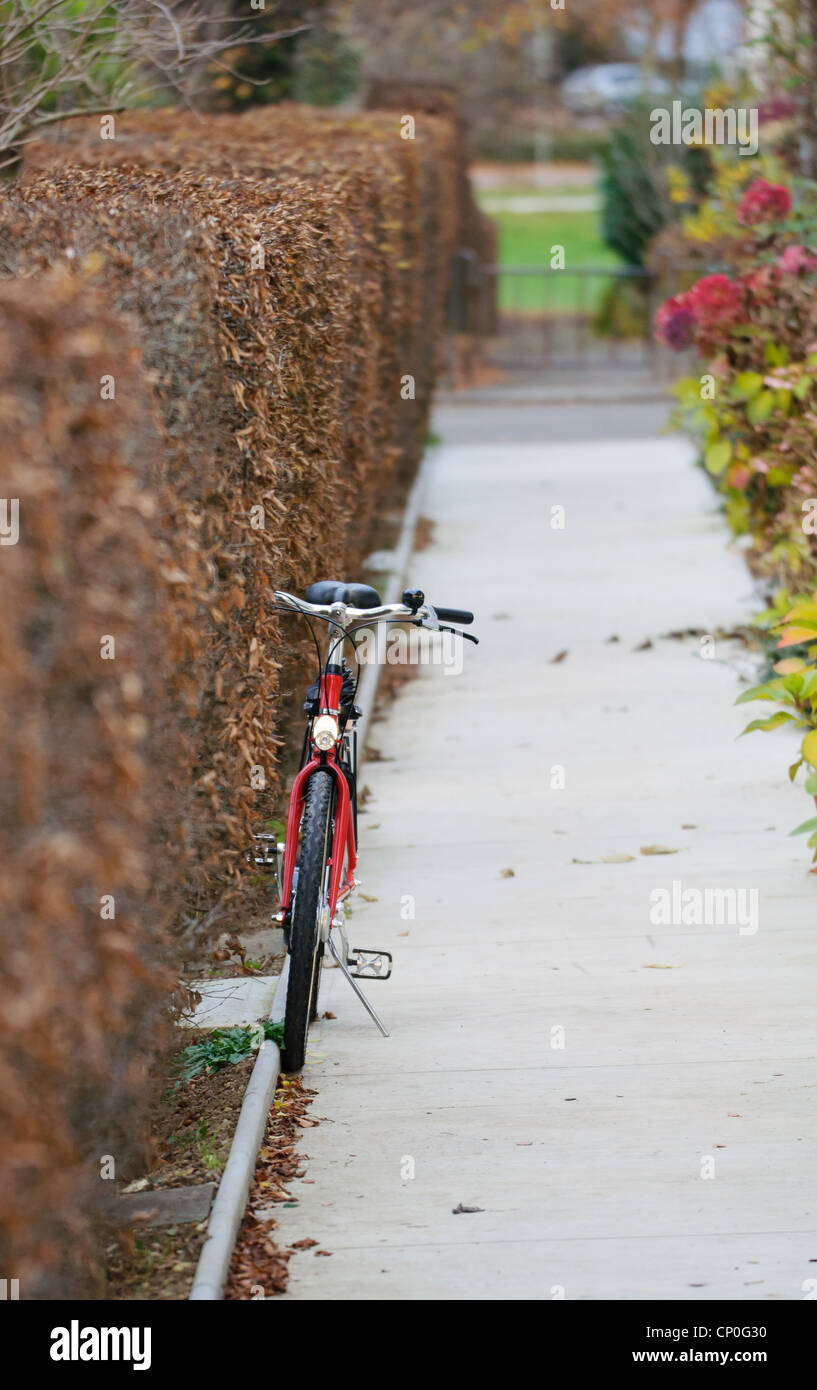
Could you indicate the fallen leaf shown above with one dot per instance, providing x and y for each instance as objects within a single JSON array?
[
  {"x": 657, "y": 849},
  {"x": 507, "y": 873},
  {"x": 459, "y": 1209},
  {"x": 174, "y": 575},
  {"x": 560, "y": 656},
  {"x": 617, "y": 858},
  {"x": 643, "y": 646},
  {"x": 305, "y": 1244},
  {"x": 662, "y": 967}
]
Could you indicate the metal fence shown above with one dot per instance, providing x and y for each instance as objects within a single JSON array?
[{"x": 535, "y": 316}]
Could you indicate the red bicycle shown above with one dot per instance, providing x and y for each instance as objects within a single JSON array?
[{"x": 318, "y": 857}]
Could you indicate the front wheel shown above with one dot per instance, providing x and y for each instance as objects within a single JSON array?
[{"x": 309, "y": 904}]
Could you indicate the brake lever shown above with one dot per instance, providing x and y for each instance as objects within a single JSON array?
[
  {"x": 469, "y": 636},
  {"x": 441, "y": 627}
]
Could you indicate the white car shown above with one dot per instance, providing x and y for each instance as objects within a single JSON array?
[{"x": 610, "y": 86}]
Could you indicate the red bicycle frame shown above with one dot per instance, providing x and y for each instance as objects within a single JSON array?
[{"x": 343, "y": 837}]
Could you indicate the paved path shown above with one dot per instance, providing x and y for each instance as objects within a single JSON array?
[{"x": 687, "y": 1049}]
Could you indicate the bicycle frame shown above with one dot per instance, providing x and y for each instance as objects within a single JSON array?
[
  {"x": 343, "y": 619},
  {"x": 343, "y": 836}
]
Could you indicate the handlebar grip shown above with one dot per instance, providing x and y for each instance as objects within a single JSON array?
[
  {"x": 453, "y": 615},
  {"x": 333, "y": 591}
]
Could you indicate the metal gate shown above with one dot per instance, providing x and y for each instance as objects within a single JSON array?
[{"x": 535, "y": 316}]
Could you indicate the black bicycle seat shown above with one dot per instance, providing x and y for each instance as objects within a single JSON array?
[{"x": 333, "y": 591}]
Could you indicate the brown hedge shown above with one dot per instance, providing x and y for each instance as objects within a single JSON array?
[
  {"x": 281, "y": 273},
  {"x": 80, "y": 992},
  {"x": 305, "y": 417},
  {"x": 404, "y": 199}
]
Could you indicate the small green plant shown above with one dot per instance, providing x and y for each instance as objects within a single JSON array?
[
  {"x": 226, "y": 1047},
  {"x": 273, "y": 1032},
  {"x": 221, "y": 1048},
  {"x": 204, "y": 1142},
  {"x": 794, "y": 687}
]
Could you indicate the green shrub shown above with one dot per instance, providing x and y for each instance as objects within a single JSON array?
[{"x": 636, "y": 196}]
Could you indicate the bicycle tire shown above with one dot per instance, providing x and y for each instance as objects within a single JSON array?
[{"x": 304, "y": 937}]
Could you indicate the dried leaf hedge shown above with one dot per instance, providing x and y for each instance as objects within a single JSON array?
[
  {"x": 81, "y": 978},
  {"x": 259, "y": 289}
]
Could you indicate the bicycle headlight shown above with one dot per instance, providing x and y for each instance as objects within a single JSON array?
[{"x": 325, "y": 732}]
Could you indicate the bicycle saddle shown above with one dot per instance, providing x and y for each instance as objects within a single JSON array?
[{"x": 332, "y": 591}]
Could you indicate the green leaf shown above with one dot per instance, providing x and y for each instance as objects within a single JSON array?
[
  {"x": 808, "y": 825},
  {"x": 717, "y": 456},
  {"x": 274, "y": 1032},
  {"x": 803, "y": 387},
  {"x": 811, "y": 784},
  {"x": 775, "y": 354},
  {"x": 760, "y": 407},
  {"x": 746, "y": 385},
  {"x": 774, "y": 690},
  {"x": 794, "y": 769},
  {"x": 809, "y": 685},
  {"x": 773, "y": 722},
  {"x": 778, "y": 477}
]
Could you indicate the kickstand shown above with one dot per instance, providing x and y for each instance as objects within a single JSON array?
[{"x": 358, "y": 991}]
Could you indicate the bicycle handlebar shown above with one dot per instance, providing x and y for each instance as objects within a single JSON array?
[
  {"x": 353, "y": 615},
  {"x": 345, "y": 613}
]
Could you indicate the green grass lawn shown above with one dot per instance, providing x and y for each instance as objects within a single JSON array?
[{"x": 526, "y": 238}]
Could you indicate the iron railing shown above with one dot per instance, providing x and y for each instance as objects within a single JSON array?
[{"x": 536, "y": 316}]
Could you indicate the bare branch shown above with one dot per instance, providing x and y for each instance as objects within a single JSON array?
[{"x": 59, "y": 60}]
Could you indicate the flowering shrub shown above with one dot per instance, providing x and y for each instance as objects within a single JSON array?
[
  {"x": 675, "y": 322},
  {"x": 755, "y": 407},
  {"x": 794, "y": 689},
  {"x": 764, "y": 202}
]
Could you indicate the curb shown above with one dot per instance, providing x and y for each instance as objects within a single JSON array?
[{"x": 233, "y": 1190}]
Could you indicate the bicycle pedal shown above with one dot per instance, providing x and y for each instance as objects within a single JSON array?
[
  {"x": 264, "y": 853},
  {"x": 369, "y": 965}
]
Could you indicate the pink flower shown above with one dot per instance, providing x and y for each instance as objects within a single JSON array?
[
  {"x": 675, "y": 322},
  {"x": 795, "y": 259},
  {"x": 716, "y": 301},
  {"x": 778, "y": 108},
  {"x": 759, "y": 283},
  {"x": 764, "y": 202}
]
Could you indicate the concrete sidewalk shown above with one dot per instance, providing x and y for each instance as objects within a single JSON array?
[{"x": 629, "y": 1105}]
